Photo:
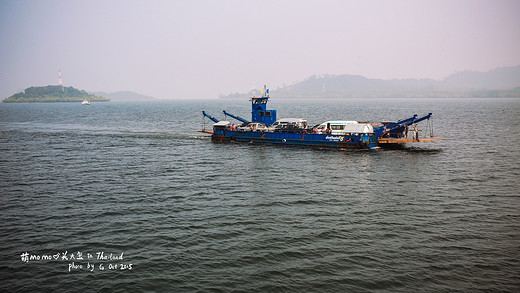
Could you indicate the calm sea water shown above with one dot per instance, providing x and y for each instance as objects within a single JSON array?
[{"x": 117, "y": 197}]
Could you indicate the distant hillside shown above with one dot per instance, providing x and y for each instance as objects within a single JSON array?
[
  {"x": 124, "y": 96},
  {"x": 503, "y": 78},
  {"x": 52, "y": 93},
  {"x": 501, "y": 82}
]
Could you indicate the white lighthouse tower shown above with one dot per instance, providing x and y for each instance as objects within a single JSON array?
[{"x": 60, "y": 81}]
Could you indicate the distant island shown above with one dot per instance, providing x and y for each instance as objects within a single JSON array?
[
  {"x": 53, "y": 94},
  {"x": 502, "y": 82}
]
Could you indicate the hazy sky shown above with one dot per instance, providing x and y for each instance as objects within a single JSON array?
[{"x": 200, "y": 49}]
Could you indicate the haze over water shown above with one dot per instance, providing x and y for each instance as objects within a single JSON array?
[
  {"x": 190, "y": 215},
  {"x": 204, "y": 48}
]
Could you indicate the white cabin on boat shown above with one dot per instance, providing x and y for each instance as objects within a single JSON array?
[{"x": 344, "y": 127}]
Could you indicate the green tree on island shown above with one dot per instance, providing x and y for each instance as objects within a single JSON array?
[{"x": 52, "y": 93}]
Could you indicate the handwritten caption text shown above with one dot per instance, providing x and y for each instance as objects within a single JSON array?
[{"x": 99, "y": 261}]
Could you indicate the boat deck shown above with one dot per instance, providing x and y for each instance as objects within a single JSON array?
[{"x": 408, "y": 140}]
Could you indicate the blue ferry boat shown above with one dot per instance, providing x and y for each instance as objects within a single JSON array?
[{"x": 265, "y": 128}]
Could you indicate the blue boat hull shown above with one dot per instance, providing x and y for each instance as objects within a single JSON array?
[{"x": 362, "y": 141}]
